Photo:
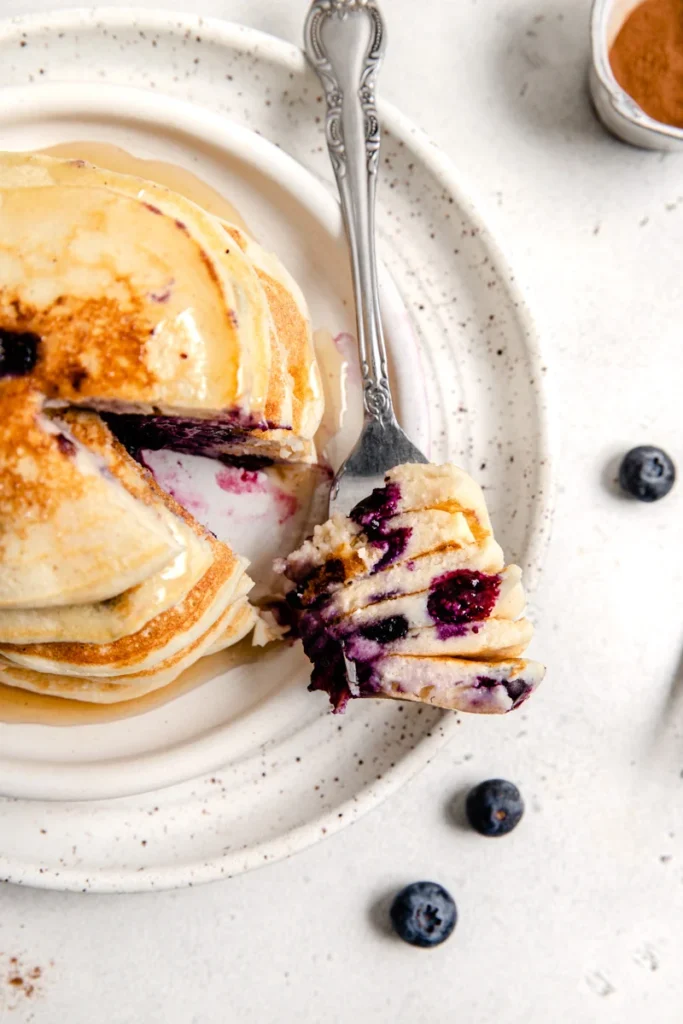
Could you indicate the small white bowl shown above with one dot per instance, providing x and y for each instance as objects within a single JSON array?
[{"x": 616, "y": 109}]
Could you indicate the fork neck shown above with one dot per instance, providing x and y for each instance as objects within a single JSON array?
[{"x": 346, "y": 43}]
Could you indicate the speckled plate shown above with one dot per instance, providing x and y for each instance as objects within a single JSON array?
[{"x": 272, "y": 771}]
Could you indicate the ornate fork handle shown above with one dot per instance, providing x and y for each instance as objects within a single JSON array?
[{"x": 345, "y": 42}]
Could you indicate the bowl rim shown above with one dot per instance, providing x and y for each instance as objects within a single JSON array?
[{"x": 622, "y": 103}]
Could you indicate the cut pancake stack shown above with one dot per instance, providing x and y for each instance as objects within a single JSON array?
[
  {"x": 409, "y": 598},
  {"x": 109, "y": 589},
  {"x": 130, "y": 319},
  {"x": 131, "y": 300}
]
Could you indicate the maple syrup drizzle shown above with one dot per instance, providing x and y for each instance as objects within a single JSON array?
[{"x": 178, "y": 179}]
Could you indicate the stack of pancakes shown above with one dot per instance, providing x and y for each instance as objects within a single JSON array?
[
  {"x": 129, "y": 314},
  {"x": 410, "y": 598},
  {"x": 124, "y": 297},
  {"x": 108, "y": 588}
]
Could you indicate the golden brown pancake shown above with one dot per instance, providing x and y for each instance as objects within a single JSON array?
[
  {"x": 176, "y": 627},
  {"x": 231, "y": 626},
  {"x": 294, "y": 374},
  {"x": 142, "y": 305},
  {"x": 129, "y": 611},
  {"x": 69, "y": 531},
  {"x": 162, "y": 637}
]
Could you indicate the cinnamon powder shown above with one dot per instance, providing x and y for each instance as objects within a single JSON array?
[
  {"x": 22, "y": 982},
  {"x": 647, "y": 59}
]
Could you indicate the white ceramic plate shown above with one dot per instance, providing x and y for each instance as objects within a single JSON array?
[{"x": 283, "y": 771}]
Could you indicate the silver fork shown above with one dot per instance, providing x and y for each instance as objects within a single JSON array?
[{"x": 345, "y": 41}]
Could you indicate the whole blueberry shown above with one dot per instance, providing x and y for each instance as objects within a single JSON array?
[
  {"x": 494, "y": 807},
  {"x": 423, "y": 914},
  {"x": 647, "y": 473}
]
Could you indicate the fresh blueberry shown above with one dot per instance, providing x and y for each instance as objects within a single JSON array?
[
  {"x": 423, "y": 914},
  {"x": 494, "y": 807},
  {"x": 647, "y": 473}
]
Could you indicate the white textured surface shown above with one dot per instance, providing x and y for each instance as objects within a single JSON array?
[{"x": 576, "y": 916}]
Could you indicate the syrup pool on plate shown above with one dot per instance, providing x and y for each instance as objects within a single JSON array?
[
  {"x": 21, "y": 707},
  {"x": 261, "y": 513}
]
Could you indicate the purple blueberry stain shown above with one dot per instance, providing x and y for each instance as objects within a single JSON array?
[
  {"x": 332, "y": 649},
  {"x": 373, "y": 515},
  {"x": 517, "y": 690},
  {"x": 461, "y": 597},
  {"x": 383, "y": 596},
  {"x": 180, "y": 434},
  {"x": 66, "y": 445},
  {"x": 163, "y": 296},
  {"x": 447, "y": 630},
  {"x": 329, "y": 670},
  {"x": 486, "y": 683},
  {"x": 393, "y": 543},
  {"x": 360, "y": 650},
  {"x": 381, "y": 504},
  {"x": 366, "y": 645}
]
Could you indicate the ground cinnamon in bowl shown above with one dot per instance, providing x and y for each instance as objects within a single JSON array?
[{"x": 647, "y": 59}]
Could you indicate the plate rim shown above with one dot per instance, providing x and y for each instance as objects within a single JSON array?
[{"x": 288, "y": 55}]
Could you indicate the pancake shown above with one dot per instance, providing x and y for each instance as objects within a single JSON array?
[
  {"x": 483, "y": 687},
  {"x": 212, "y": 438},
  {"x": 243, "y": 622},
  {"x": 110, "y": 691},
  {"x": 407, "y": 519},
  {"x": 100, "y": 241},
  {"x": 400, "y": 578},
  {"x": 295, "y": 382},
  {"x": 357, "y": 551},
  {"x": 164, "y": 637},
  {"x": 70, "y": 533},
  {"x": 413, "y": 486},
  {"x": 197, "y": 606},
  {"x": 445, "y": 601},
  {"x": 422, "y": 608},
  {"x": 106, "y": 621},
  {"x": 492, "y": 638},
  {"x": 143, "y": 306}
]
